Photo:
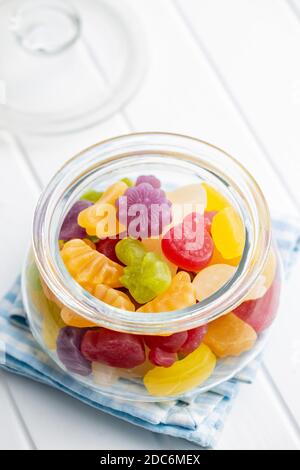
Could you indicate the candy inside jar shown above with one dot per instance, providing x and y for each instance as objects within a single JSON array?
[{"x": 159, "y": 257}]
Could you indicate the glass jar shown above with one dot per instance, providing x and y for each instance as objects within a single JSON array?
[{"x": 237, "y": 315}]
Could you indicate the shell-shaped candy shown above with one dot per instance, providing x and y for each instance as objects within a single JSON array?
[
  {"x": 89, "y": 267},
  {"x": 113, "y": 297},
  {"x": 100, "y": 219},
  {"x": 180, "y": 294}
]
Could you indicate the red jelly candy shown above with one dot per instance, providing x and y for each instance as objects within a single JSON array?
[
  {"x": 107, "y": 246},
  {"x": 260, "y": 313},
  {"x": 170, "y": 343},
  {"x": 162, "y": 358},
  {"x": 194, "y": 339},
  {"x": 113, "y": 348},
  {"x": 189, "y": 245}
]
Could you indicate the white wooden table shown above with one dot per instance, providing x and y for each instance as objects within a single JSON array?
[{"x": 229, "y": 73}]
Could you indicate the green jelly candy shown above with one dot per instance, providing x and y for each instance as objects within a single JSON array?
[
  {"x": 91, "y": 195},
  {"x": 147, "y": 278},
  {"x": 130, "y": 251},
  {"x": 128, "y": 181}
]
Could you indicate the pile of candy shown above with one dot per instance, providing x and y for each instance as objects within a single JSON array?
[{"x": 138, "y": 248}]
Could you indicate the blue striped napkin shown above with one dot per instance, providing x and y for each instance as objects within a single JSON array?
[{"x": 198, "y": 419}]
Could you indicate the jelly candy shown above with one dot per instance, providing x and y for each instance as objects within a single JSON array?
[
  {"x": 60, "y": 244},
  {"x": 160, "y": 357},
  {"x": 144, "y": 210},
  {"x": 113, "y": 297},
  {"x": 89, "y": 267},
  {"x": 70, "y": 228},
  {"x": 100, "y": 219},
  {"x": 270, "y": 269},
  {"x": 180, "y": 294},
  {"x": 183, "y": 375},
  {"x": 128, "y": 181},
  {"x": 170, "y": 343},
  {"x": 185, "y": 200},
  {"x": 188, "y": 246},
  {"x": 147, "y": 279},
  {"x": 228, "y": 233},
  {"x": 113, "y": 348},
  {"x": 258, "y": 290},
  {"x": 229, "y": 336},
  {"x": 194, "y": 339},
  {"x": 72, "y": 318},
  {"x": 104, "y": 375},
  {"x": 154, "y": 245},
  {"x": 107, "y": 247},
  {"x": 146, "y": 275},
  {"x": 138, "y": 371},
  {"x": 68, "y": 350},
  {"x": 130, "y": 251},
  {"x": 91, "y": 195},
  {"x": 151, "y": 179},
  {"x": 215, "y": 200},
  {"x": 51, "y": 323},
  {"x": 261, "y": 312},
  {"x": 217, "y": 258},
  {"x": 208, "y": 218},
  {"x": 211, "y": 279},
  {"x": 49, "y": 294},
  {"x": 89, "y": 243}
]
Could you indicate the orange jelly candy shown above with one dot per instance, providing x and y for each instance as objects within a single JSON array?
[{"x": 229, "y": 336}]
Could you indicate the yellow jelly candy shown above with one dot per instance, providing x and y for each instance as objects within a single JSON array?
[
  {"x": 180, "y": 294},
  {"x": 228, "y": 233},
  {"x": 100, "y": 219},
  {"x": 113, "y": 297},
  {"x": 229, "y": 336},
  {"x": 72, "y": 318},
  {"x": 217, "y": 258},
  {"x": 215, "y": 200},
  {"x": 270, "y": 268},
  {"x": 154, "y": 245},
  {"x": 89, "y": 267},
  {"x": 265, "y": 279},
  {"x": 211, "y": 279},
  {"x": 185, "y": 200},
  {"x": 49, "y": 294},
  {"x": 183, "y": 375},
  {"x": 51, "y": 324}
]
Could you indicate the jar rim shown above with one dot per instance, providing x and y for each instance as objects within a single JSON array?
[{"x": 67, "y": 184}]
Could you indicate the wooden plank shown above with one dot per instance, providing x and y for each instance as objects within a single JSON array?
[
  {"x": 253, "y": 47},
  {"x": 235, "y": 60},
  {"x": 186, "y": 98}
]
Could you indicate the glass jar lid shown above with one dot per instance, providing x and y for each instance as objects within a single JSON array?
[{"x": 67, "y": 65}]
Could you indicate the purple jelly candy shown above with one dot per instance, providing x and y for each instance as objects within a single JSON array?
[
  {"x": 70, "y": 228},
  {"x": 151, "y": 179},
  {"x": 68, "y": 350},
  {"x": 144, "y": 210}
]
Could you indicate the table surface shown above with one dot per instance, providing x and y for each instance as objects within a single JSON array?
[{"x": 228, "y": 73}]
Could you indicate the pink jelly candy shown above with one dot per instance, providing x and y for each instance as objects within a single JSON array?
[
  {"x": 260, "y": 313},
  {"x": 170, "y": 343},
  {"x": 162, "y": 358},
  {"x": 194, "y": 339}
]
